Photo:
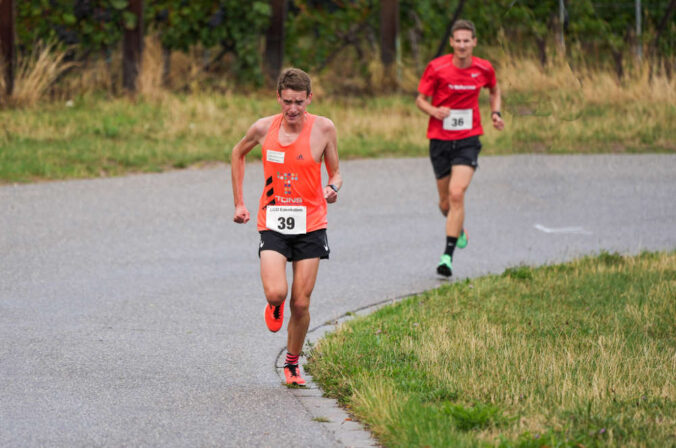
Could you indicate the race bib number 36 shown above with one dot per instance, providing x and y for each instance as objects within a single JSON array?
[
  {"x": 289, "y": 220},
  {"x": 458, "y": 120}
]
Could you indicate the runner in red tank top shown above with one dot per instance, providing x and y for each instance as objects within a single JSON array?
[
  {"x": 449, "y": 93},
  {"x": 291, "y": 215}
]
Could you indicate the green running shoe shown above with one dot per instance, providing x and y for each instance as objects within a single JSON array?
[
  {"x": 462, "y": 240},
  {"x": 445, "y": 268}
]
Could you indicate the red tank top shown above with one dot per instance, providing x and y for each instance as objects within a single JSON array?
[{"x": 293, "y": 184}]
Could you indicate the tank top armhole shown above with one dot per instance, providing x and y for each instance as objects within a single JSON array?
[{"x": 273, "y": 132}]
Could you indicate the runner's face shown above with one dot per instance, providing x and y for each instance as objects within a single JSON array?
[
  {"x": 293, "y": 104},
  {"x": 463, "y": 43}
]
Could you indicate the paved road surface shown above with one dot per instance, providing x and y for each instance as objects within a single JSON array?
[{"x": 131, "y": 308}]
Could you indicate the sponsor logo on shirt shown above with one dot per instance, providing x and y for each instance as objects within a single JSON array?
[
  {"x": 474, "y": 75},
  {"x": 461, "y": 87},
  {"x": 287, "y": 178},
  {"x": 285, "y": 200}
]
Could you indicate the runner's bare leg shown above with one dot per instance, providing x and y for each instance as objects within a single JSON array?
[
  {"x": 273, "y": 276},
  {"x": 304, "y": 277},
  {"x": 461, "y": 176}
]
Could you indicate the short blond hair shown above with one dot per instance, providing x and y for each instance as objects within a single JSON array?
[{"x": 294, "y": 79}]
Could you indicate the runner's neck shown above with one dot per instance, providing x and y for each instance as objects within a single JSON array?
[{"x": 462, "y": 62}]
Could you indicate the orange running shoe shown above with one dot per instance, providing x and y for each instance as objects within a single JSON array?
[
  {"x": 274, "y": 317},
  {"x": 292, "y": 375}
]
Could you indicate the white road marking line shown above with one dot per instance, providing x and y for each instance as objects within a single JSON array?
[{"x": 576, "y": 230}]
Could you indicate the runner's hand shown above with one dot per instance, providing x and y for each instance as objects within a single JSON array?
[
  {"x": 330, "y": 195},
  {"x": 241, "y": 215},
  {"x": 497, "y": 122},
  {"x": 441, "y": 112}
]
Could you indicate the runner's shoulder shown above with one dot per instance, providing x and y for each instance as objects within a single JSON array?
[
  {"x": 482, "y": 64},
  {"x": 261, "y": 126},
  {"x": 324, "y": 124},
  {"x": 441, "y": 62}
]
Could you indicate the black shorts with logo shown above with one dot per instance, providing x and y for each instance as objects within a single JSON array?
[
  {"x": 446, "y": 153},
  {"x": 296, "y": 247}
]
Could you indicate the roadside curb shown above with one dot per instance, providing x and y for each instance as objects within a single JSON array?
[{"x": 346, "y": 429}]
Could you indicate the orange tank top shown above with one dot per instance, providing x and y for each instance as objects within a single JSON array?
[{"x": 293, "y": 197}]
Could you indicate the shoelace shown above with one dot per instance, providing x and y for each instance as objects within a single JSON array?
[
  {"x": 275, "y": 312},
  {"x": 293, "y": 368}
]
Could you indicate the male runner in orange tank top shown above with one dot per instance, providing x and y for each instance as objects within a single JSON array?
[{"x": 291, "y": 215}]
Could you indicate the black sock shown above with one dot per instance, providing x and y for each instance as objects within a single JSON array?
[{"x": 450, "y": 245}]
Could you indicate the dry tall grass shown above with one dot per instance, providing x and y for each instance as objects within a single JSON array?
[
  {"x": 36, "y": 73},
  {"x": 150, "y": 82},
  {"x": 594, "y": 86}
]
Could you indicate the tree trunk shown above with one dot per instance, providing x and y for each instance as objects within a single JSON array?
[
  {"x": 389, "y": 30},
  {"x": 542, "y": 50},
  {"x": 415, "y": 35},
  {"x": 447, "y": 34},
  {"x": 166, "y": 65},
  {"x": 662, "y": 26},
  {"x": 655, "y": 53},
  {"x": 133, "y": 48},
  {"x": 274, "y": 40},
  {"x": 619, "y": 67},
  {"x": 7, "y": 43}
]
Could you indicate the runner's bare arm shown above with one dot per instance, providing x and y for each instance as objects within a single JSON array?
[
  {"x": 331, "y": 161},
  {"x": 424, "y": 103},
  {"x": 237, "y": 162},
  {"x": 495, "y": 101}
]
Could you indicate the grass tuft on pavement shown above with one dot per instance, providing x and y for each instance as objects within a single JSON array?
[{"x": 576, "y": 354}]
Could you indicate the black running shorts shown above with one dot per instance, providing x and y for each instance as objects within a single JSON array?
[
  {"x": 296, "y": 247},
  {"x": 446, "y": 153}
]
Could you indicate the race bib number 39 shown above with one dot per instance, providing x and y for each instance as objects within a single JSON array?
[
  {"x": 289, "y": 220},
  {"x": 458, "y": 120}
]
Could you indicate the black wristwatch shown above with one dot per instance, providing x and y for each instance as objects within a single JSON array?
[
  {"x": 333, "y": 187},
  {"x": 496, "y": 112}
]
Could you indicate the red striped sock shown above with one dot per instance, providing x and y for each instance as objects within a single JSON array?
[{"x": 291, "y": 359}]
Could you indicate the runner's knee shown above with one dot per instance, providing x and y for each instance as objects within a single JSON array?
[
  {"x": 457, "y": 195},
  {"x": 300, "y": 305},
  {"x": 444, "y": 207},
  {"x": 275, "y": 295}
]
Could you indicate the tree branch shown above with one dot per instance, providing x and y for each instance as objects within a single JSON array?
[{"x": 447, "y": 34}]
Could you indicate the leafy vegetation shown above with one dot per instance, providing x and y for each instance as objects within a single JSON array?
[{"x": 342, "y": 35}]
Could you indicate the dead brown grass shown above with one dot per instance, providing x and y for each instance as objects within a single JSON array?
[{"x": 36, "y": 73}]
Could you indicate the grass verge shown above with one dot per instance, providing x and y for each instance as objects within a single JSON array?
[
  {"x": 545, "y": 112},
  {"x": 577, "y": 354}
]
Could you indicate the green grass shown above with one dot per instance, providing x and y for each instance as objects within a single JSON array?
[
  {"x": 100, "y": 136},
  {"x": 577, "y": 354}
]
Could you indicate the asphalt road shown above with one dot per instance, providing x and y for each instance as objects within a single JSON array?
[{"x": 131, "y": 310}]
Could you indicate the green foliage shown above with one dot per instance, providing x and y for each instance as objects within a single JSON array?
[
  {"x": 232, "y": 25},
  {"x": 87, "y": 24},
  {"x": 94, "y": 25},
  {"x": 319, "y": 31}
]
